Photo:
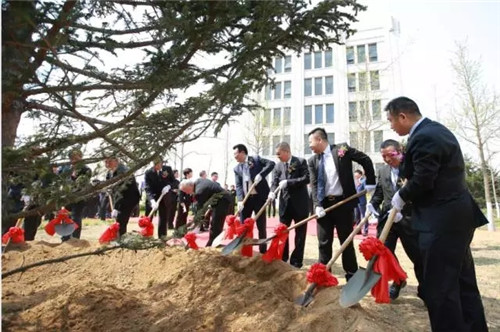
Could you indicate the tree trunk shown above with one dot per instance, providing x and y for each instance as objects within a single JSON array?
[{"x": 486, "y": 182}]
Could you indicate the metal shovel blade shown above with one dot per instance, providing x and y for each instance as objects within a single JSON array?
[
  {"x": 235, "y": 244},
  {"x": 218, "y": 240},
  {"x": 65, "y": 229},
  {"x": 305, "y": 299},
  {"x": 357, "y": 287}
]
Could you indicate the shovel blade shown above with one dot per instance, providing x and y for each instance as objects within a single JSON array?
[
  {"x": 218, "y": 240},
  {"x": 358, "y": 286},
  {"x": 65, "y": 229},
  {"x": 235, "y": 244},
  {"x": 305, "y": 299}
]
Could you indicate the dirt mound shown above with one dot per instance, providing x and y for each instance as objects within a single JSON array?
[{"x": 166, "y": 290}]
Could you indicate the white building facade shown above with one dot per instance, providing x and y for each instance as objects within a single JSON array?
[{"x": 342, "y": 89}]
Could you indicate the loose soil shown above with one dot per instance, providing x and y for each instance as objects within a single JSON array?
[{"x": 174, "y": 289}]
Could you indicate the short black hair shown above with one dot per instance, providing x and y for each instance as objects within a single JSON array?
[
  {"x": 390, "y": 142},
  {"x": 241, "y": 147},
  {"x": 320, "y": 132},
  {"x": 186, "y": 171},
  {"x": 203, "y": 173},
  {"x": 360, "y": 172},
  {"x": 214, "y": 173},
  {"x": 402, "y": 105}
]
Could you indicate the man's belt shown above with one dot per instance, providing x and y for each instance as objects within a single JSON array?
[{"x": 334, "y": 198}]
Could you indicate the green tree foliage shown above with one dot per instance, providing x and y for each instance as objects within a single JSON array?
[
  {"x": 474, "y": 179},
  {"x": 136, "y": 77}
]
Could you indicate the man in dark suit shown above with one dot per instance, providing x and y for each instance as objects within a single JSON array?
[
  {"x": 125, "y": 194},
  {"x": 388, "y": 182},
  {"x": 292, "y": 176},
  {"x": 330, "y": 170},
  {"x": 185, "y": 201},
  {"x": 445, "y": 216},
  {"x": 252, "y": 169},
  {"x": 202, "y": 190},
  {"x": 157, "y": 179}
]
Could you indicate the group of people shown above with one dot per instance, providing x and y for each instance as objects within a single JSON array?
[{"x": 424, "y": 182}]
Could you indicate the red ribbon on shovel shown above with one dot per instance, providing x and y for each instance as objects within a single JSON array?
[
  {"x": 62, "y": 217},
  {"x": 15, "y": 234},
  {"x": 248, "y": 226},
  {"x": 386, "y": 264},
  {"x": 110, "y": 234},
  {"x": 191, "y": 240},
  {"x": 275, "y": 250},
  {"x": 146, "y": 225},
  {"x": 232, "y": 222}
]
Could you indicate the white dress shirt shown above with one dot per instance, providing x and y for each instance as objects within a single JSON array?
[{"x": 333, "y": 186}]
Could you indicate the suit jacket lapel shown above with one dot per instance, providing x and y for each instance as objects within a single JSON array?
[{"x": 336, "y": 158}]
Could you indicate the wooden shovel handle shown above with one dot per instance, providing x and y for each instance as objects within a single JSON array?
[
  {"x": 247, "y": 196},
  {"x": 388, "y": 225},
  {"x": 348, "y": 240},
  {"x": 157, "y": 205},
  {"x": 263, "y": 208}
]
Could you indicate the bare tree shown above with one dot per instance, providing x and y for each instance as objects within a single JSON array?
[{"x": 476, "y": 120}]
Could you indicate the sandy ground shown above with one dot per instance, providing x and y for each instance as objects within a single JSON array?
[{"x": 177, "y": 290}]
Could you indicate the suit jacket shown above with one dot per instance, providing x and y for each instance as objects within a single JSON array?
[
  {"x": 384, "y": 191},
  {"x": 435, "y": 169},
  {"x": 204, "y": 189},
  {"x": 257, "y": 165},
  {"x": 81, "y": 170},
  {"x": 344, "y": 171},
  {"x": 155, "y": 182},
  {"x": 295, "y": 194},
  {"x": 125, "y": 194}
]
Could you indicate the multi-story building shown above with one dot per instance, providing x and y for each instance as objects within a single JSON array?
[{"x": 343, "y": 89}]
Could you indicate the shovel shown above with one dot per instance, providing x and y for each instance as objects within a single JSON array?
[
  {"x": 300, "y": 223},
  {"x": 364, "y": 279},
  {"x": 236, "y": 243},
  {"x": 19, "y": 223},
  {"x": 306, "y": 298}
]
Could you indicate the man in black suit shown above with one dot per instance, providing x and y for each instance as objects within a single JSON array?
[
  {"x": 185, "y": 201},
  {"x": 203, "y": 190},
  {"x": 388, "y": 182},
  {"x": 445, "y": 216},
  {"x": 252, "y": 169},
  {"x": 330, "y": 170},
  {"x": 292, "y": 176},
  {"x": 125, "y": 194},
  {"x": 157, "y": 179}
]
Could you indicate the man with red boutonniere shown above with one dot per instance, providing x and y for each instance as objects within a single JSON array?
[
  {"x": 250, "y": 170},
  {"x": 330, "y": 170}
]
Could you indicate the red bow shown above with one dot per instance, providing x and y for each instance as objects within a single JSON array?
[
  {"x": 191, "y": 240},
  {"x": 248, "y": 226},
  {"x": 62, "y": 217},
  {"x": 15, "y": 234},
  {"x": 275, "y": 250},
  {"x": 232, "y": 222},
  {"x": 319, "y": 275},
  {"x": 146, "y": 225},
  {"x": 386, "y": 264},
  {"x": 111, "y": 233}
]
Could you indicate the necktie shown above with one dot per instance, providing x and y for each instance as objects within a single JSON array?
[
  {"x": 286, "y": 170},
  {"x": 394, "y": 177},
  {"x": 321, "y": 178}
]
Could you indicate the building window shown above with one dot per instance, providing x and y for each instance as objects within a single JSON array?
[
  {"x": 307, "y": 61},
  {"x": 276, "y": 141},
  {"x": 378, "y": 138},
  {"x": 351, "y": 82},
  {"x": 318, "y": 86},
  {"x": 353, "y": 112},
  {"x": 362, "y": 81},
  {"x": 307, "y": 150},
  {"x": 308, "y": 115},
  {"x": 287, "y": 93},
  {"x": 277, "y": 117},
  {"x": 318, "y": 114},
  {"x": 267, "y": 93},
  {"x": 287, "y": 116},
  {"x": 361, "y": 53},
  {"x": 265, "y": 146},
  {"x": 328, "y": 57},
  {"x": 308, "y": 87},
  {"x": 329, "y": 85},
  {"x": 288, "y": 63},
  {"x": 353, "y": 139},
  {"x": 277, "y": 91},
  {"x": 317, "y": 59},
  {"x": 329, "y": 113},
  {"x": 350, "y": 55},
  {"x": 266, "y": 118},
  {"x": 286, "y": 138},
  {"x": 331, "y": 137},
  {"x": 372, "y": 52},
  {"x": 374, "y": 80},
  {"x": 278, "y": 65},
  {"x": 376, "y": 110}
]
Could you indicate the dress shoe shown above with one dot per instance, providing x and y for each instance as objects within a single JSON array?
[{"x": 395, "y": 289}]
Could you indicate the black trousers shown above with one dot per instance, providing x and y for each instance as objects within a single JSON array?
[
  {"x": 409, "y": 239},
  {"x": 450, "y": 288},
  {"x": 340, "y": 219},
  {"x": 31, "y": 224},
  {"x": 297, "y": 257},
  {"x": 77, "y": 217},
  {"x": 181, "y": 218},
  {"x": 123, "y": 217},
  {"x": 254, "y": 204},
  {"x": 218, "y": 216}
]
